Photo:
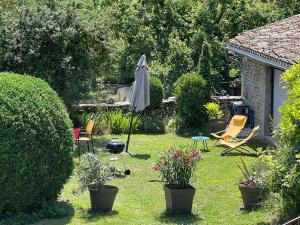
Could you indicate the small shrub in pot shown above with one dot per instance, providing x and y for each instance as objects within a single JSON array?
[
  {"x": 252, "y": 187},
  {"x": 215, "y": 114},
  {"x": 92, "y": 175},
  {"x": 176, "y": 167},
  {"x": 214, "y": 111}
]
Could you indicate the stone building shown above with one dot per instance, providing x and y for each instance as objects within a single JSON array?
[{"x": 263, "y": 54}]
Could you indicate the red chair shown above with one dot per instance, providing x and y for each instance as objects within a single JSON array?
[{"x": 76, "y": 135}]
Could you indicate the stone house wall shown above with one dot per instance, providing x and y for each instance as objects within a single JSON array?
[{"x": 257, "y": 92}]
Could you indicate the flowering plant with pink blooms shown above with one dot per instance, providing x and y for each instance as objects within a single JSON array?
[{"x": 177, "y": 165}]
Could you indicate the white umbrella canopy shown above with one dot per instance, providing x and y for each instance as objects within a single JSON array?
[{"x": 140, "y": 98}]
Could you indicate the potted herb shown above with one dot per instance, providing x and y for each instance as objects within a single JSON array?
[
  {"x": 176, "y": 167},
  {"x": 252, "y": 186},
  {"x": 92, "y": 174}
]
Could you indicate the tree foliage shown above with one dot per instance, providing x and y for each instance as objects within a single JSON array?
[
  {"x": 48, "y": 41},
  {"x": 71, "y": 42}
]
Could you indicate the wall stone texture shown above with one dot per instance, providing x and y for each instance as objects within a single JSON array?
[{"x": 257, "y": 92}]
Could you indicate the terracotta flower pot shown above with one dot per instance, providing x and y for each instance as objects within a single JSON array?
[
  {"x": 250, "y": 195},
  {"x": 179, "y": 200},
  {"x": 102, "y": 200}
]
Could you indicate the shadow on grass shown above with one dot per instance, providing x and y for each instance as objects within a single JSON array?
[
  {"x": 167, "y": 217},
  {"x": 142, "y": 156},
  {"x": 255, "y": 143},
  {"x": 233, "y": 153},
  {"x": 89, "y": 215},
  {"x": 254, "y": 209}
]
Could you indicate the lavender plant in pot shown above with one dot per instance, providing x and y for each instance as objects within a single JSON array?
[
  {"x": 176, "y": 167},
  {"x": 253, "y": 186},
  {"x": 92, "y": 175}
]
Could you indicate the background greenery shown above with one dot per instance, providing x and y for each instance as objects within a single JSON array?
[{"x": 70, "y": 43}]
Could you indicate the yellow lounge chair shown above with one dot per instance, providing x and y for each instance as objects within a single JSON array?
[
  {"x": 238, "y": 144},
  {"x": 237, "y": 123}
]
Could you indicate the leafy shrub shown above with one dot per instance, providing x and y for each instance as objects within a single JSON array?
[
  {"x": 177, "y": 165},
  {"x": 152, "y": 125},
  {"x": 213, "y": 110},
  {"x": 286, "y": 168},
  {"x": 191, "y": 96},
  {"x": 156, "y": 93},
  {"x": 116, "y": 122},
  {"x": 174, "y": 124},
  {"x": 36, "y": 143},
  {"x": 92, "y": 173}
]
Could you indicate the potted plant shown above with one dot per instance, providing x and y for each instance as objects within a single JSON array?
[
  {"x": 176, "y": 167},
  {"x": 252, "y": 186},
  {"x": 92, "y": 174},
  {"x": 215, "y": 115}
]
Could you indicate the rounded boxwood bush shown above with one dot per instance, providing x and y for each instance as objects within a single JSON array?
[
  {"x": 156, "y": 93},
  {"x": 191, "y": 95},
  {"x": 36, "y": 143}
]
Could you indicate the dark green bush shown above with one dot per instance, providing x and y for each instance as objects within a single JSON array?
[
  {"x": 156, "y": 93},
  {"x": 36, "y": 143},
  {"x": 191, "y": 95},
  {"x": 48, "y": 210}
]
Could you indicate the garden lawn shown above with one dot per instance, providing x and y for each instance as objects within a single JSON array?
[{"x": 139, "y": 201}]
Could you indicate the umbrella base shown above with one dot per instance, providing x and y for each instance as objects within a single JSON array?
[{"x": 128, "y": 153}]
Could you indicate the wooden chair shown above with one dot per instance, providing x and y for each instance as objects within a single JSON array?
[
  {"x": 86, "y": 135},
  {"x": 237, "y": 144},
  {"x": 237, "y": 123}
]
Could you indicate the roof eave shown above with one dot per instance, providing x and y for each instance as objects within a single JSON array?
[{"x": 269, "y": 61}]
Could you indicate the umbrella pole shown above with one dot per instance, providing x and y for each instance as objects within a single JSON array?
[{"x": 129, "y": 132}]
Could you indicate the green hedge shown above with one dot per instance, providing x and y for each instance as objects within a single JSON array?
[
  {"x": 191, "y": 95},
  {"x": 36, "y": 143}
]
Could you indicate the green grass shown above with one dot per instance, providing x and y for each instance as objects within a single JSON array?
[{"x": 217, "y": 199}]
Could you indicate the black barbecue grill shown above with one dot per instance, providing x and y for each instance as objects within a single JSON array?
[{"x": 116, "y": 147}]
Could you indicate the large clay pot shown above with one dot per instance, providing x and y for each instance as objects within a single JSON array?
[
  {"x": 251, "y": 196},
  {"x": 102, "y": 200},
  {"x": 179, "y": 200}
]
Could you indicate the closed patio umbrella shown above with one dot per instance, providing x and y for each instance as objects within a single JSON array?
[{"x": 140, "y": 98}]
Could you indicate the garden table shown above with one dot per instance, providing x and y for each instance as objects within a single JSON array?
[{"x": 200, "y": 138}]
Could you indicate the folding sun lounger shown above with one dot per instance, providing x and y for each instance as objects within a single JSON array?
[
  {"x": 235, "y": 126},
  {"x": 238, "y": 143}
]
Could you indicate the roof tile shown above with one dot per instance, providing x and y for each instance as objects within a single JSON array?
[{"x": 279, "y": 40}]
